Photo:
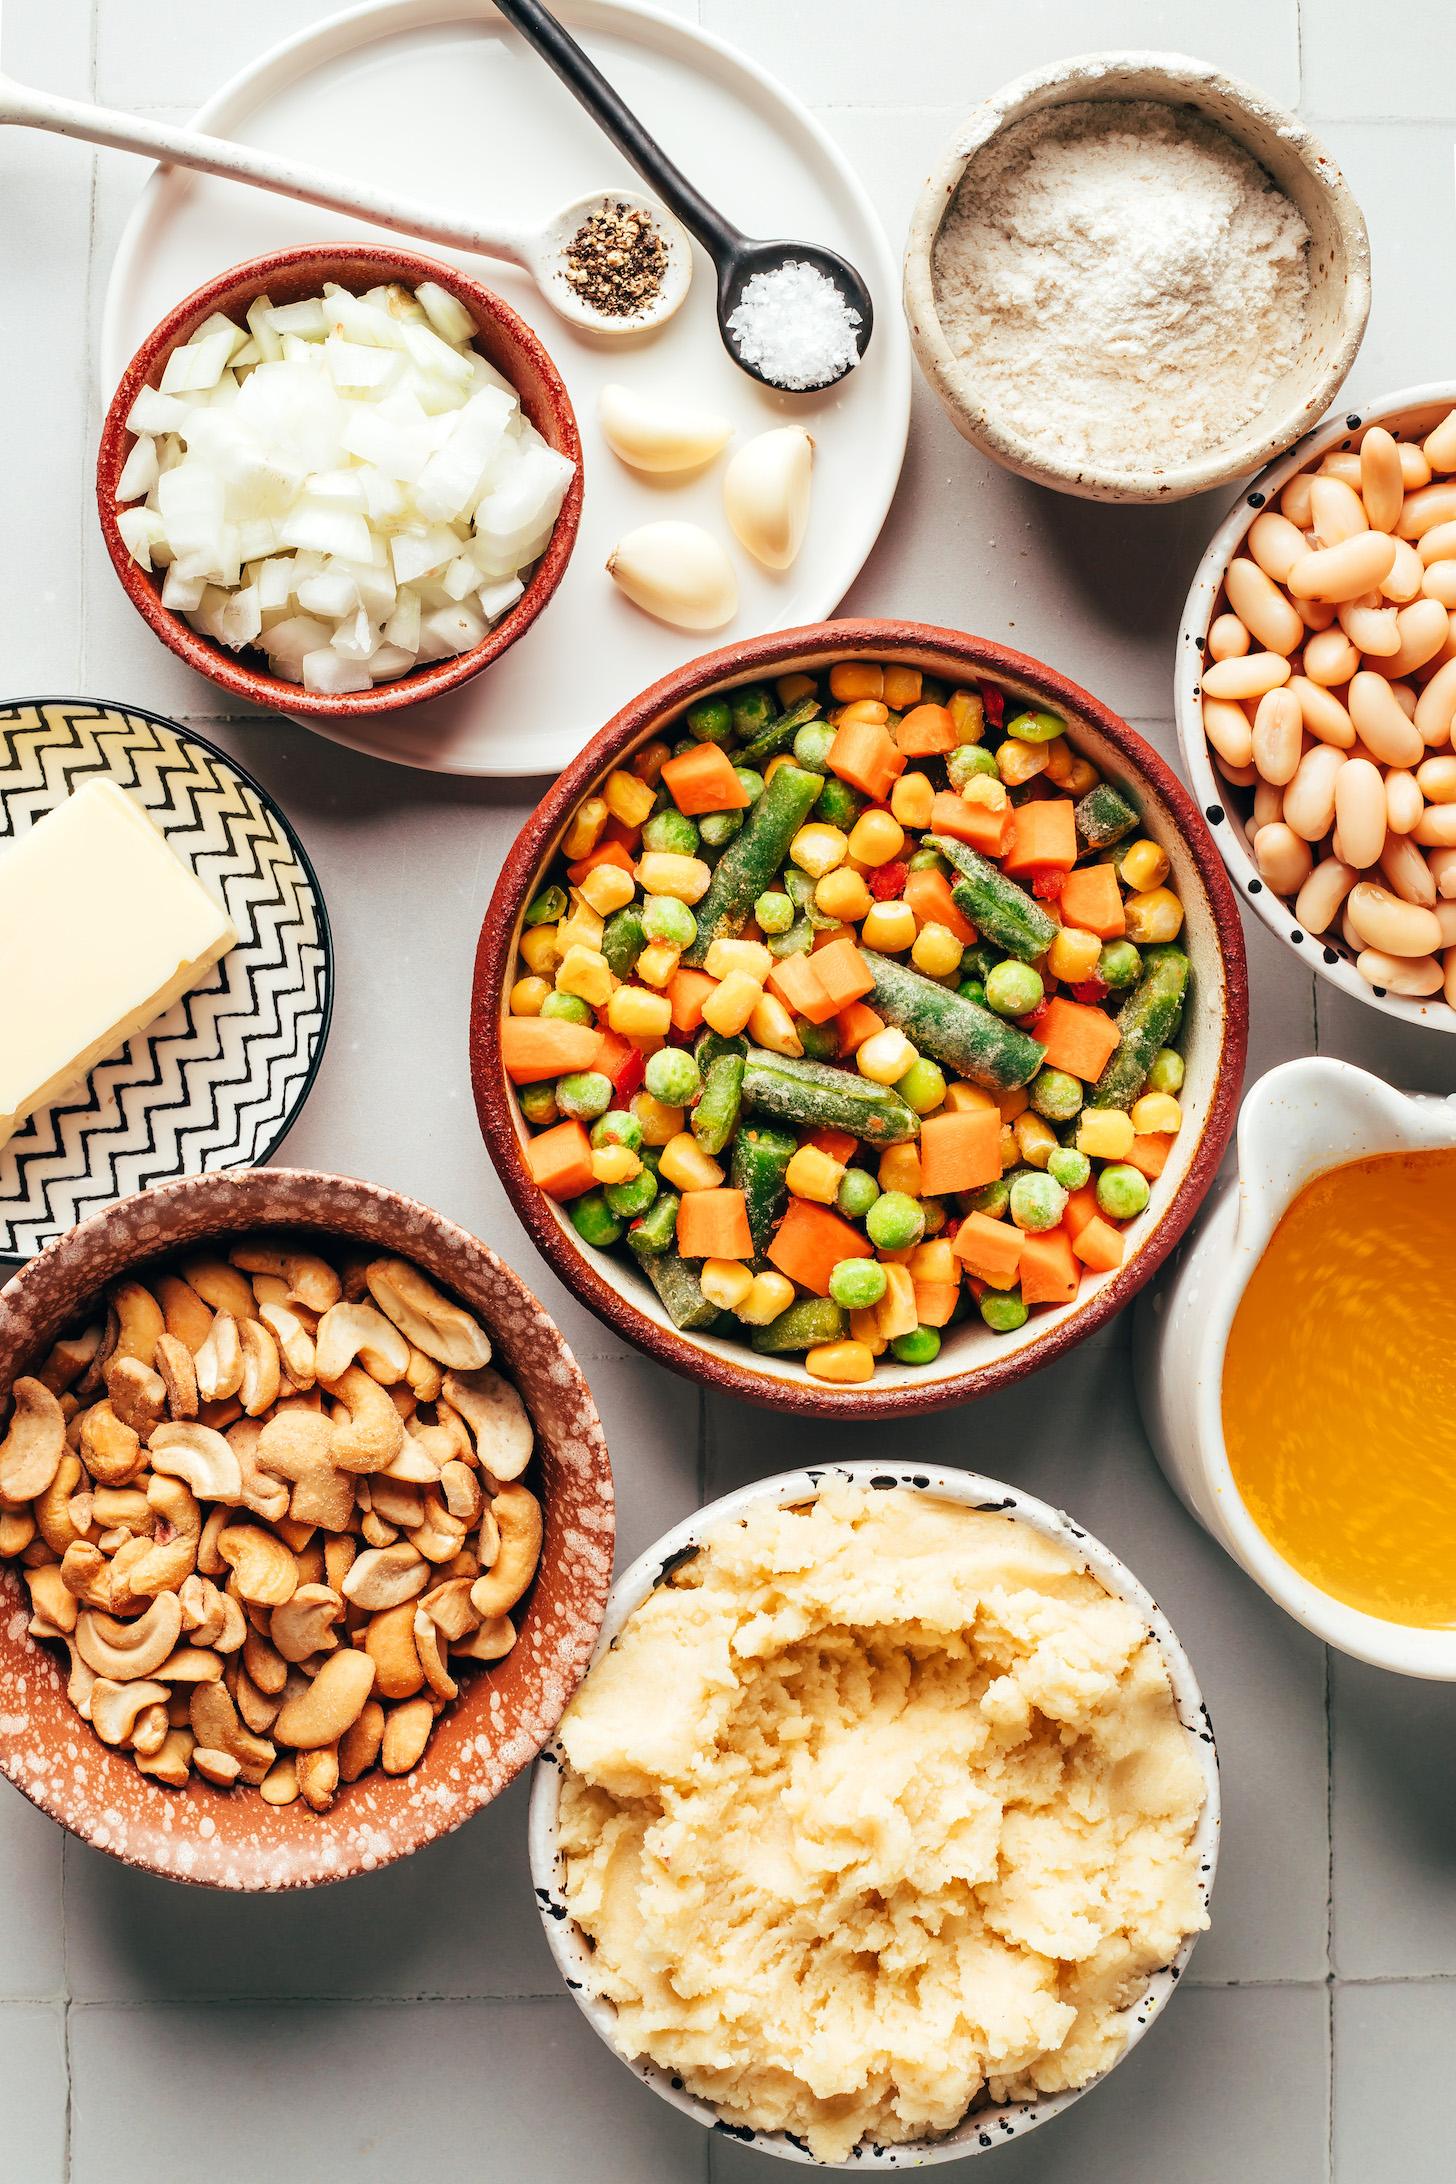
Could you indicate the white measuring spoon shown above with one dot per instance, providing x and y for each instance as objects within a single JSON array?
[{"x": 541, "y": 251}]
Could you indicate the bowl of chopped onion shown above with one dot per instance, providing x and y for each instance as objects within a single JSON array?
[{"x": 340, "y": 480}]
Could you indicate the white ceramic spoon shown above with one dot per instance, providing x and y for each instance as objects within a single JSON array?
[{"x": 540, "y": 251}]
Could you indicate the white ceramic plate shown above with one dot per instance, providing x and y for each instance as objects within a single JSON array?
[{"x": 442, "y": 99}]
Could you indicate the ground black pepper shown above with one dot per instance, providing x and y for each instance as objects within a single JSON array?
[{"x": 616, "y": 261}]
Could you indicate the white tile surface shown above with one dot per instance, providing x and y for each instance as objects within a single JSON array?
[
  {"x": 33, "y": 2093},
  {"x": 1388, "y": 2038},
  {"x": 32, "y": 1955}
]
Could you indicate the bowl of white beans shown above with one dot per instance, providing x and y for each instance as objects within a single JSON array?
[{"x": 1315, "y": 691}]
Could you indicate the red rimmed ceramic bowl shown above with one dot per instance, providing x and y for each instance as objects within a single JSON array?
[
  {"x": 503, "y": 339},
  {"x": 230, "y": 1838},
  {"x": 972, "y": 1361}
]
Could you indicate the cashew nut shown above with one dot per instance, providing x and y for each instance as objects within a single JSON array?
[
  {"x": 451, "y": 1608},
  {"x": 406, "y": 1733},
  {"x": 52, "y": 1598},
  {"x": 178, "y": 1376},
  {"x": 86, "y": 1573},
  {"x": 222, "y": 1768},
  {"x": 264, "y": 1663},
  {"x": 170, "y": 1557},
  {"x": 297, "y": 1445},
  {"x": 396, "y": 1504},
  {"x": 372, "y": 1435},
  {"x": 17, "y": 1530},
  {"x": 186, "y": 1449},
  {"x": 219, "y": 1363},
  {"x": 434, "y": 1652},
  {"x": 492, "y": 1642},
  {"x": 69, "y": 1358},
  {"x": 295, "y": 1342},
  {"x": 136, "y": 1393},
  {"x": 53, "y": 1516},
  {"x": 350, "y": 1331},
  {"x": 303, "y": 1625},
  {"x": 359, "y": 1746},
  {"x": 191, "y": 1665},
  {"x": 375, "y": 1532},
  {"x": 389, "y": 1640},
  {"x": 258, "y": 1387},
  {"x": 331, "y": 1704},
  {"x": 258, "y": 1710},
  {"x": 317, "y": 1773},
  {"x": 518, "y": 1514},
  {"x": 209, "y": 1561},
  {"x": 279, "y": 1785},
  {"x": 339, "y": 1557},
  {"x": 439, "y": 1536},
  {"x": 414, "y": 1465},
  {"x": 264, "y": 1570},
  {"x": 385, "y": 1577},
  {"x": 115, "y": 1707},
  {"x": 125, "y": 1651},
  {"x": 139, "y": 1321},
  {"x": 220, "y": 1286},
  {"x": 217, "y": 1725},
  {"x": 462, "y": 1492},
  {"x": 112, "y": 1452},
  {"x": 31, "y": 1452},
  {"x": 311, "y": 1280},
  {"x": 266, "y": 1496},
  {"x": 431, "y": 1321},
  {"x": 498, "y": 1419},
  {"x": 123, "y": 1508}
]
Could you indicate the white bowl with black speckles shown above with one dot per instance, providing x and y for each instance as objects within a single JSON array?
[{"x": 983, "y": 2127}]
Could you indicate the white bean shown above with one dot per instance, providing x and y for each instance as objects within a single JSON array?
[
  {"x": 1356, "y": 564},
  {"x": 1262, "y": 608},
  {"x": 1433, "y": 504},
  {"x": 1360, "y": 812},
  {"x": 1268, "y": 806},
  {"x": 1416, "y": 975},
  {"x": 1415, "y": 471},
  {"x": 1370, "y": 626},
  {"x": 1330, "y": 658},
  {"x": 1246, "y": 678},
  {"x": 1446, "y": 919},
  {"x": 1383, "y": 726},
  {"x": 1275, "y": 543},
  {"x": 1322, "y": 712},
  {"x": 1315, "y": 614},
  {"x": 1294, "y": 501},
  {"x": 1237, "y": 777},
  {"x": 1227, "y": 638},
  {"x": 1439, "y": 544},
  {"x": 1442, "y": 866},
  {"x": 1439, "y": 446},
  {"x": 1322, "y": 894},
  {"x": 1278, "y": 735},
  {"x": 1437, "y": 827},
  {"x": 1284, "y": 861},
  {"x": 1406, "y": 574},
  {"x": 1336, "y": 511},
  {"x": 1436, "y": 778},
  {"x": 1382, "y": 488},
  {"x": 1439, "y": 582},
  {"x": 1342, "y": 463},
  {"x": 1227, "y": 728},
  {"x": 1424, "y": 627},
  {"x": 1407, "y": 871},
  {"x": 1388, "y": 922},
  {"x": 1404, "y": 802},
  {"x": 1309, "y": 800},
  {"x": 1436, "y": 707}
]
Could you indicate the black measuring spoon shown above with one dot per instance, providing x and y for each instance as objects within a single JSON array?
[{"x": 738, "y": 257}]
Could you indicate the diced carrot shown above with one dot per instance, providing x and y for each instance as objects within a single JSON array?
[
  {"x": 560, "y": 1160},
  {"x": 796, "y": 981},
  {"x": 1099, "y": 1247},
  {"x": 1049, "y": 1270},
  {"x": 605, "y": 853},
  {"x": 927, "y": 731},
  {"x": 1091, "y": 898},
  {"x": 1043, "y": 837},
  {"x": 838, "y": 1144},
  {"x": 533, "y": 1047},
  {"x": 687, "y": 990},
  {"x": 977, "y": 824},
  {"x": 863, "y": 753},
  {"x": 856, "y": 1024},
  {"x": 959, "y": 1151},
  {"x": 1150, "y": 1155},
  {"x": 1081, "y": 1207},
  {"x": 703, "y": 780},
  {"x": 1078, "y": 1039},
  {"x": 935, "y": 1301},
  {"x": 809, "y": 1243},
  {"x": 843, "y": 972},
  {"x": 613, "y": 1053},
  {"x": 991, "y": 1249},
  {"x": 929, "y": 896},
  {"x": 714, "y": 1225}
]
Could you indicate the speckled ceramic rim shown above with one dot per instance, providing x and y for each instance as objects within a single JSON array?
[
  {"x": 502, "y": 337},
  {"x": 1184, "y": 82},
  {"x": 232, "y": 1839},
  {"x": 1414, "y": 407},
  {"x": 982, "y": 2130},
  {"x": 592, "y": 1276}
]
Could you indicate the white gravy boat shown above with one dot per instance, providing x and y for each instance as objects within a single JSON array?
[{"x": 1303, "y": 1118}]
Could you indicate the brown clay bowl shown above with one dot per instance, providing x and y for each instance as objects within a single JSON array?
[
  {"x": 972, "y": 1361},
  {"x": 504, "y": 1714},
  {"x": 503, "y": 339}
]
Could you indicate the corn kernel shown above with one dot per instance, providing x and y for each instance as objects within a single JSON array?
[
  {"x": 1009, "y": 1151},
  {"x": 1061, "y": 759},
  {"x": 663, "y": 872},
  {"x": 772, "y": 1026},
  {"x": 1081, "y": 775},
  {"x": 587, "y": 974},
  {"x": 1144, "y": 865},
  {"x": 660, "y": 1123},
  {"x": 933, "y": 1262},
  {"x": 657, "y": 963},
  {"x": 784, "y": 758},
  {"x": 817, "y": 849},
  {"x": 889, "y": 926},
  {"x": 650, "y": 760},
  {"x": 985, "y": 789},
  {"x": 1155, "y": 916},
  {"x": 812, "y": 1174},
  {"x": 856, "y": 679},
  {"x": 899, "y": 1169},
  {"x": 791, "y": 688},
  {"x": 770, "y": 1294},
  {"x": 580, "y": 928},
  {"x": 911, "y": 799},
  {"x": 725, "y": 1282},
  {"x": 1011, "y": 1103},
  {"x": 968, "y": 1099},
  {"x": 1156, "y": 1114},
  {"x": 685, "y": 1164},
  {"x": 885, "y": 1056},
  {"x": 875, "y": 838},
  {"x": 1105, "y": 1133},
  {"x": 588, "y": 824},
  {"x": 527, "y": 994},
  {"x": 1018, "y": 763},
  {"x": 607, "y": 888},
  {"x": 540, "y": 950},
  {"x": 897, "y": 1312},
  {"x": 1036, "y": 1140},
  {"x": 748, "y": 956},
  {"x": 729, "y": 1006},
  {"x": 865, "y": 1327},
  {"x": 864, "y": 713},
  {"x": 903, "y": 686},
  {"x": 638, "y": 1014},
  {"x": 840, "y": 1361},
  {"x": 843, "y": 894},
  {"x": 1073, "y": 955},
  {"x": 967, "y": 710},
  {"x": 937, "y": 952},
  {"x": 615, "y": 1164},
  {"x": 627, "y": 798}
]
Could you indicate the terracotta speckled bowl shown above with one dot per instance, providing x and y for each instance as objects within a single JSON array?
[
  {"x": 286, "y": 276},
  {"x": 231, "y": 1838},
  {"x": 972, "y": 1361}
]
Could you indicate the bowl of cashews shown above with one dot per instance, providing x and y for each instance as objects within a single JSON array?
[
  {"x": 306, "y": 1528},
  {"x": 1316, "y": 700}
]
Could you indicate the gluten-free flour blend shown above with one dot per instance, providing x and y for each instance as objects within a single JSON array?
[{"x": 1125, "y": 284}]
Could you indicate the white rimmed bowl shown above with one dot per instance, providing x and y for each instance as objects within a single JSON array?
[
  {"x": 1409, "y": 414},
  {"x": 1304, "y": 1118},
  {"x": 982, "y": 2128},
  {"x": 1284, "y": 147}
]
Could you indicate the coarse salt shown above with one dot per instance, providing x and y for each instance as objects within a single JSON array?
[{"x": 794, "y": 325}]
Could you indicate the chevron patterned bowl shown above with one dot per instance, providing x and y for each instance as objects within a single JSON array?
[{"x": 218, "y": 1080}]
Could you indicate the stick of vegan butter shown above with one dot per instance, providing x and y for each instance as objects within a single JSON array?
[{"x": 102, "y": 928}]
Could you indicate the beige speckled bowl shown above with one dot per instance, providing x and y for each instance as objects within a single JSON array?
[
  {"x": 231, "y": 1838},
  {"x": 1297, "y": 161}
]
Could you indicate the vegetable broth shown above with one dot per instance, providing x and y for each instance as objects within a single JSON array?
[{"x": 1339, "y": 1388}]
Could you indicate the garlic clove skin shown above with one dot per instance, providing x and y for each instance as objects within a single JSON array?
[
  {"x": 677, "y": 572},
  {"x": 657, "y": 434},
  {"x": 766, "y": 494}
]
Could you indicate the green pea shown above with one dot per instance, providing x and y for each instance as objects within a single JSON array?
[
  {"x": 718, "y": 828},
  {"x": 838, "y": 805},
  {"x": 567, "y": 1008},
  {"x": 584, "y": 1095},
  {"x": 858, "y": 1283},
  {"x": 538, "y": 1105},
  {"x": 1003, "y": 1311},
  {"x": 1055, "y": 1094},
  {"x": 634, "y": 1196},
  {"x": 811, "y": 745},
  {"x": 819, "y": 1041},
  {"x": 966, "y": 761},
  {"x": 672, "y": 831},
  {"x": 617, "y": 1127},
  {"x": 895, "y": 1221},
  {"x": 1036, "y": 727},
  {"x": 548, "y": 906},
  {"x": 971, "y": 989},
  {"x": 1122, "y": 1191},
  {"x": 1166, "y": 1072},
  {"x": 992, "y": 1199},
  {"x": 920, "y": 1347},
  {"x": 752, "y": 710},
  {"x": 1013, "y": 989},
  {"x": 922, "y": 1086},
  {"x": 977, "y": 960},
  {"x": 928, "y": 860},
  {"x": 710, "y": 720},
  {"x": 594, "y": 1220},
  {"x": 672, "y": 1076},
  {"x": 1069, "y": 1167},
  {"x": 1119, "y": 965},
  {"x": 750, "y": 782},
  {"x": 774, "y": 912},
  {"x": 857, "y": 1192},
  {"x": 935, "y": 1215},
  {"x": 1037, "y": 1201},
  {"x": 669, "y": 921}
]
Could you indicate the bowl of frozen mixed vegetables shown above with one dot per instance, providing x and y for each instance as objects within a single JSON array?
[{"x": 860, "y": 1018}]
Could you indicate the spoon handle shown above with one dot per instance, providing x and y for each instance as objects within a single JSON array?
[{"x": 586, "y": 83}]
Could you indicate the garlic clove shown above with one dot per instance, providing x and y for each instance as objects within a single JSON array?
[
  {"x": 653, "y": 433},
  {"x": 766, "y": 494},
  {"x": 678, "y": 572}
]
